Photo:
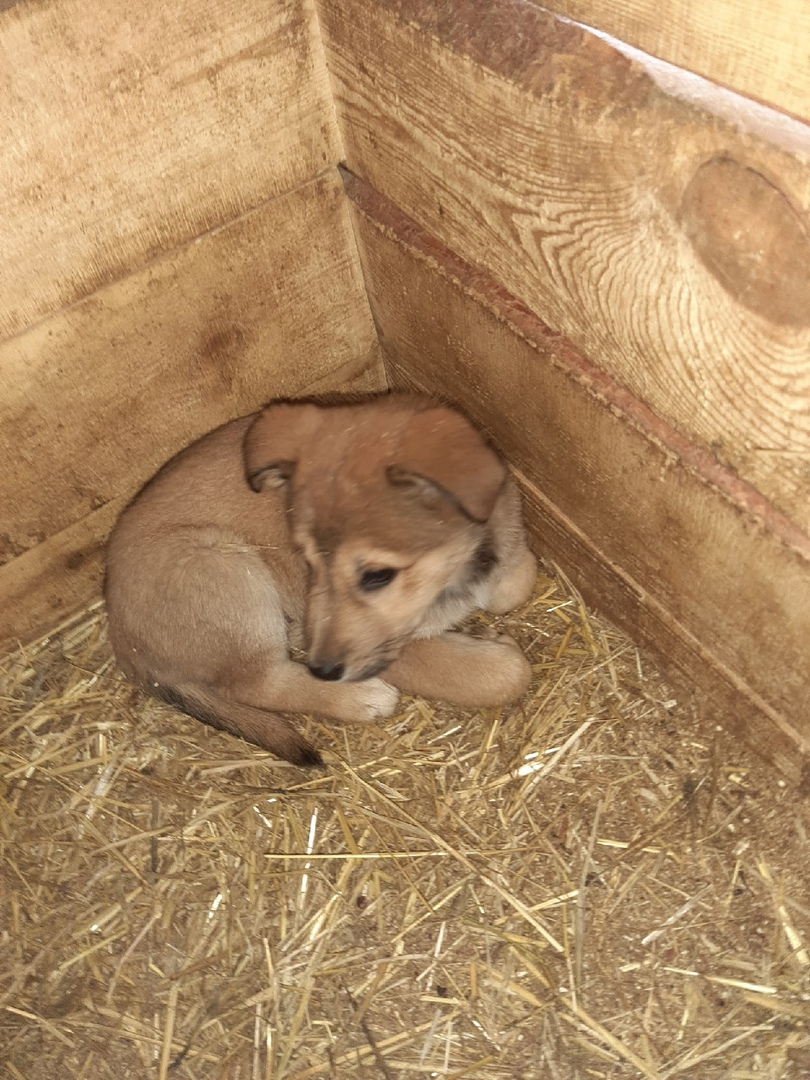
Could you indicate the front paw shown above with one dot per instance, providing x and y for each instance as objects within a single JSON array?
[{"x": 376, "y": 699}]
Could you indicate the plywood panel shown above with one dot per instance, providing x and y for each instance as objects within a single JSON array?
[
  {"x": 96, "y": 397},
  {"x": 759, "y": 49},
  {"x": 722, "y": 586},
  {"x": 670, "y": 245},
  {"x": 128, "y": 129}
]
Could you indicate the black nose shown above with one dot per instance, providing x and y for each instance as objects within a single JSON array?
[{"x": 327, "y": 672}]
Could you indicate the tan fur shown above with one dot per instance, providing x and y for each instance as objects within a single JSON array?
[{"x": 269, "y": 533}]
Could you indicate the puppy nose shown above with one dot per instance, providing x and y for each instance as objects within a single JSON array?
[{"x": 328, "y": 672}]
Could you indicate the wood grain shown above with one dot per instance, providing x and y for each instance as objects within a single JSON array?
[
  {"x": 97, "y": 397},
  {"x": 679, "y": 563},
  {"x": 535, "y": 149},
  {"x": 55, "y": 579},
  {"x": 126, "y": 130},
  {"x": 757, "y": 49}
]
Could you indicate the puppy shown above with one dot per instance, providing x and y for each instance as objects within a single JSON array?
[{"x": 359, "y": 533}]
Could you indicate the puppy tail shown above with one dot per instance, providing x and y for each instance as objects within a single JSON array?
[{"x": 265, "y": 729}]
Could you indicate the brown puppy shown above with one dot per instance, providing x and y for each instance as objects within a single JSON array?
[{"x": 359, "y": 532}]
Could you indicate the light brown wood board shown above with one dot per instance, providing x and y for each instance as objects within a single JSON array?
[
  {"x": 676, "y": 551},
  {"x": 99, "y": 396},
  {"x": 126, "y": 130},
  {"x": 669, "y": 244},
  {"x": 54, "y": 580},
  {"x": 758, "y": 49}
]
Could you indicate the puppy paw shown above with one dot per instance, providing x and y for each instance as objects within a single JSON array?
[{"x": 376, "y": 699}]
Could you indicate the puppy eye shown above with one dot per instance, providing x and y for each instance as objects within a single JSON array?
[{"x": 371, "y": 580}]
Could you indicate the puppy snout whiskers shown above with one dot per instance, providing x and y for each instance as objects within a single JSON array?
[{"x": 328, "y": 672}]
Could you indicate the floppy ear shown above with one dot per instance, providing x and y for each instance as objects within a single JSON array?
[
  {"x": 442, "y": 455},
  {"x": 273, "y": 442}
]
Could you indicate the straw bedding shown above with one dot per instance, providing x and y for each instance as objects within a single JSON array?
[{"x": 596, "y": 883}]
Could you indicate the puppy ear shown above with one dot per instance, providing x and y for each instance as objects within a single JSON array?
[
  {"x": 443, "y": 456},
  {"x": 273, "y": 443}
]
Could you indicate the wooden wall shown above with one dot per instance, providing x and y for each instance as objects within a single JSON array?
[
  {"x": 610, "y": 267},
  {"x": 176, "y": 250},
  {"x": 758, "y": 49}
]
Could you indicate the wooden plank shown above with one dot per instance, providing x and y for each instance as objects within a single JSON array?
[
  {"x": 125, "y": 130},
  {"x": 97, "y": 397},
  {"x": 758, "y": 49},
  {"x": 646, "y": 526},
  {"x": 670, "y": 245},
  {"x": 63, "y": 574},
  {"x": 55, "y": 579}
]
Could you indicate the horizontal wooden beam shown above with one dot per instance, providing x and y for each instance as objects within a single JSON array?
[
  {"x": 127, "y": 130},
  {"x": 758, "y": 49}
]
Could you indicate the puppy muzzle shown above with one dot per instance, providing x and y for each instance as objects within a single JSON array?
[{"x": 330, "y": 671}]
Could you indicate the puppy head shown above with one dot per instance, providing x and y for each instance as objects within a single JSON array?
[{"x": 388, "y": 503}]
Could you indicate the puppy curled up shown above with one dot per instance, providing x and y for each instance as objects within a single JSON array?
[{"x": 360, "y": 533}]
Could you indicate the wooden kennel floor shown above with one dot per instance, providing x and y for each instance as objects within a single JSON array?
[{"x": 597, "y": 883}]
